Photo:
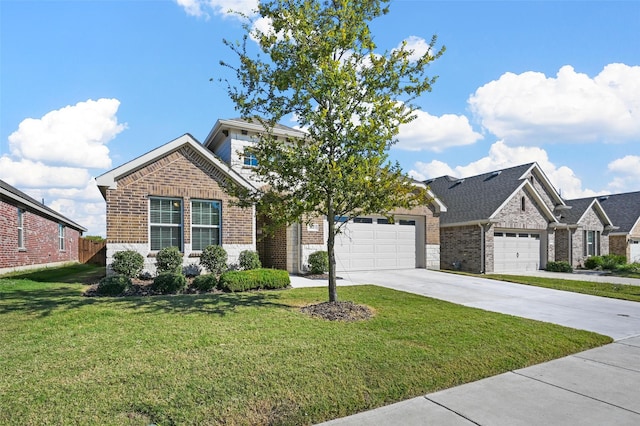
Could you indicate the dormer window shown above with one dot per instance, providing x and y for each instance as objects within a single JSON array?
[{"x": 250, "y": 158}]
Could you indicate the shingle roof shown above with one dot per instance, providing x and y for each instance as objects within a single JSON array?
[
  {"x": 477, "y": 197},
  {"x": 578, "y": 207},
  {"x": 622, "y": 209},
  {"x": 8, "y": 191}
]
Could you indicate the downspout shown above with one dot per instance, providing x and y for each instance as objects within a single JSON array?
[
  {"x": 300, "y": 270},
  {"x": 482, "y": 249}
]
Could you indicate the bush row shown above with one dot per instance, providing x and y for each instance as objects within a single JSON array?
[
  {"x": 559, "y": 267},
  {"x": 609, "y": 262}
]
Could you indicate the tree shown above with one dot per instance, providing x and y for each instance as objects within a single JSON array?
[{"x": 320, "y": 66}]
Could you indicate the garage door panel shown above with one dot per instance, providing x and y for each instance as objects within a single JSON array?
[
  {"x": 515, "y": 252},
  {"x": 370, "y": 246}
]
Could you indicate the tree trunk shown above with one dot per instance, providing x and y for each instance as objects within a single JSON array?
[{"x": 331, "y": 239}]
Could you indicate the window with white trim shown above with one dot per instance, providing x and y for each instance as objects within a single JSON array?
[
  {"x": 250, "y": 158},
  {"x": 205, "y": 224},
  {"x": 165, "y": 223},
  {"x": 20, "y": 228},
  {"x": 591, "y": 243},
  {"x": 61, "y": 237}
]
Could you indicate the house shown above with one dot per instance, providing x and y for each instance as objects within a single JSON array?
[
  {"x": 501, "y": 221},
  {"x": 173, "y": 196},
  {"x": 586, "y": 231},
  {"x": 624, "y": 211},
  {"x": 32, "y": 234}
]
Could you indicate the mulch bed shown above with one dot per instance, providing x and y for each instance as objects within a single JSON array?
[{"x": 338, "y": 311}]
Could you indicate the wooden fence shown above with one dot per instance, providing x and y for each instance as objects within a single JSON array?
[{"x": 92, "y": 252}]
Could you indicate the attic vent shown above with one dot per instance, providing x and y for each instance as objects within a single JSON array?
[
  {"x": 459, "y": 181},
  {"x": 496, "y": 173},
  {"x": 428, "y": 181}
]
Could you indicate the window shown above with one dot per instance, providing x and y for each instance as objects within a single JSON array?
[
  {"x": 384, "y": 221},
  {"x": 250, "y": 158},
  {"x": 523, "y": 205},
  {"x": 591, "y": 243},
  {"x": 407, "y": 222},
  {"x": 20, "y": 228},
  {"x": 165, "y": 223},
  {"x": 205, "y": 224},
  {"x": 61, "y": 237},
  {"x": 362, "y": 220},
  {"x": 340, "y": 219}
]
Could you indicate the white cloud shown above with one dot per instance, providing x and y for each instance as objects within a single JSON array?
[
  {"x": 73, "y": 136},
  {"x": 225, "y": 8},
  {"x": 502, "y": 156},
  {"x": 31, "y": 174},
  {"x": 530, "y": 108},
  {"x": 428, "y": 132},
  {"x": 418, "y": 45},
  {"x": 626, "y": 172}
]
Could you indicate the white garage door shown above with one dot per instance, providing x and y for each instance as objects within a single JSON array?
[
  {"x": 516, "y": 251},
  {"x": 368, "y": 243},
  {"x": 634, "y": 253}
]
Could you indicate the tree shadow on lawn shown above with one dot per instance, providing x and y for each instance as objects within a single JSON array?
[{"x": 44, "y": 302}]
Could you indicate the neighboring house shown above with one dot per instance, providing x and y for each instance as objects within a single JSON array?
[
  {"x": 501, "y": 221},
  {"x": 173, "y": 196},
  {"x": 32, "y": 234},
  {"x": 624, "y": 211},
  {"x": 586, "y": 231}
]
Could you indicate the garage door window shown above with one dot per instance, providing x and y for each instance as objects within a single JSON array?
[
  {"x": 362, "y": 220},
  {"x": 407, "y": 222}
]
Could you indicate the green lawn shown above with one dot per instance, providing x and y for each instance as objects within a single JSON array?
[
  {"x": 615, "y": 291},
  {"x": 249, "y": 358}
]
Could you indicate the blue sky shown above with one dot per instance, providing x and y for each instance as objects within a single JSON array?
[{"x": 86, "y": 86}]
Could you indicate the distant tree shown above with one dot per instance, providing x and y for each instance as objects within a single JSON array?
[
  {"x": 94, "y": 238},
  {"x": 320, "y": 66}
]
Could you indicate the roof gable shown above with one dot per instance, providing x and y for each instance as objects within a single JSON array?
[
  {"x": 109, "y": 179},
  {"x": 480, "y": 198},
  {"x": 214, "y": 137},
  {"x": 622, "y": 209},
  {"x": 8, "y": 192},
  {"x": 581, "y": 207}
]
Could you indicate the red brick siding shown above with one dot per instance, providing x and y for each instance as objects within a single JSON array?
[
  {"x": 462, "y": 247},
  {"x": 40, "y": 240},
  {"x": 272, "y": 247},
  {"x": 183, "y": 174},
  {"x": 313, "y": 237}
]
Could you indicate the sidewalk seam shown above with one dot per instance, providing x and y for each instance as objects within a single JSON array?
[
  {"x": 576, "y": 393},
  {"x": 451, "y": 410}
]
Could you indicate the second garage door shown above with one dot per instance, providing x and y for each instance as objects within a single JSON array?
[
  {"x": 370, "y": 243},
  {"x": 516, "y": 251},
  {"x": 634, "y": 252}
]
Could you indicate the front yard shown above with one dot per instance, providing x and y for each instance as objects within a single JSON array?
[{"x": 245, "y": 358}]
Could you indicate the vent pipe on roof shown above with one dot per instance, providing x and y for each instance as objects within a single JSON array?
[
  {"x": 496, "y": 173},
  {"x": 603, "y": 198}
]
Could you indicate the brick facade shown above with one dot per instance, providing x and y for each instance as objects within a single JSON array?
[
  {"x": 41, "y": 240},
  {"x": 462, "y": 249},
  {"x": 184, "y": 174}
]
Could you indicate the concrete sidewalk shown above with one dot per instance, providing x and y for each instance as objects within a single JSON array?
[{"x": 596, "y": 387}]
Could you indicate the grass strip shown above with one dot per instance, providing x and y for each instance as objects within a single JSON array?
[
  {"x": 245, "y": 358},
  {"x": 614, "y": 291}
]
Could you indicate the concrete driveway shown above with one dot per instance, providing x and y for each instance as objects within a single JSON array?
[
  {"x": 616, "y": 318},
  {"x": 595, "y": 387}
]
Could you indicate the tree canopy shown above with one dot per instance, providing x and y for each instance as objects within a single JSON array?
[{"x": 318, "y": 63}]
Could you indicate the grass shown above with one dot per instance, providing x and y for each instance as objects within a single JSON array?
[
  {"x": 245, "y": 358},
  {"x": 614, "y": 291},
  {"x": 70, "y": 273}
]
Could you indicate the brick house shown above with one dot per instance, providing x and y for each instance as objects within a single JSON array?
[
  {"x": 32, "y": 234},
  {"x": 159, "y": 200},
  {"x": 173, "y": 196},
  {"x": 501, "y": 221},
  {"x": 624, "y": 211},
  {"x": 586, "y": 231}
]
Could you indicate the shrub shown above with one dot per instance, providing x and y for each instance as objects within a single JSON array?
[
  {"x": 113, "y": 285},
  {"x": 128, "y": 263},
  {"x": 632, "y": 268},
  {"x": 593, "y": 262},
  {"x": 254, "y": 279},
  {"x": 249, "y": 259},
  {"x": 559, "y": 267},
  {"x": 319, "y": 262},
  {"x": 610, "y": 261},
  {"x": 169, "y": 283},
  {"x": 169, "y": 259},
  {"x": 205, "y": 282},
  {"x": 214, "y": 259}
]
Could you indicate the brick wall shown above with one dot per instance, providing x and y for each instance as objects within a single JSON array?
[
  {"x": 272, "y": 247},
  {"x": 182, "y": 174},
  {"x": 618, "y": 245},
  {"x": 41, "y": 242},
  {"x": 562, "y": 245},
  {"x": 461, "y": 248}
]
